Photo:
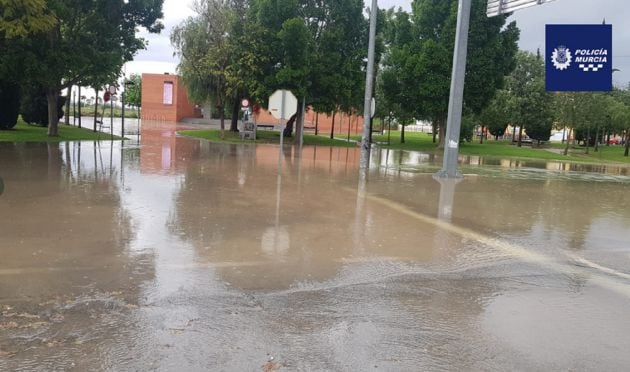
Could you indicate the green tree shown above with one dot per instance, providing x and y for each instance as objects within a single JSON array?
[
  {"x": 203, "y": 45},
  {"x": 133, "y": 92},
  {"x": 496, "y": 116},
  {"x": 23, "y": 18},
  {"x": 427, "y": 58},
  {"x": 88, "y": 44},
  {"x": 530, "y": 104}
]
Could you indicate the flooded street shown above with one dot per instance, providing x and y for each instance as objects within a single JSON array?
[{"x": 174, "y": 254}]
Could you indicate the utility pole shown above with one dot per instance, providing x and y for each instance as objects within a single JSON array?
[
  {"x": 456, "y": 99},
  {"x": 369, "y": 83}
]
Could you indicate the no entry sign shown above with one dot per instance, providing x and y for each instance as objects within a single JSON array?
[{"x": 579, "y": 58}]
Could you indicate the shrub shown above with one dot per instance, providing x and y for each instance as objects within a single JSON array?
[
  {"x": 9, "y": 105},
  {"x": 34, "y": 107}
]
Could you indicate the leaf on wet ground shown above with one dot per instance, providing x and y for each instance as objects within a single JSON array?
[{"x": 270, "y": 366}]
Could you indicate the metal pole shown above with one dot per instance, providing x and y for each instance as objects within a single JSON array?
[
  {"x": 281, "y": 128},
  {"x": 301, "y": 139},
  {"x": 122, "y": 119},
  {"x": 453, "y": 126},
  {"x": 111, "y": 113},
  {"x": 74, "y": 108},
  {"x": 95, "y": 107},
  {"x": 79, "y": 106},
  {"x": 369, "y": 82}
]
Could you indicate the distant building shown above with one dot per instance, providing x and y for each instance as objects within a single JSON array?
[{"x": 164, "y": 98}]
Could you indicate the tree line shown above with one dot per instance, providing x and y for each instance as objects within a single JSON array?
[{"x": 47, "y": 46}]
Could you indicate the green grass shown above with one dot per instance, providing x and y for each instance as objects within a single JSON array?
[
  {"x": 264, "y": 136},
  {"x": 423, "y": 142},
  {"x": 31, "y": 133}
]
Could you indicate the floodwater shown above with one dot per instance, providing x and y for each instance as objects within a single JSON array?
[{"x": 174, "y": 254}]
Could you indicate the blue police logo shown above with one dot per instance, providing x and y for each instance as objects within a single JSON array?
[
  {"x": 579, "y": 58},
  {"x": 561, "y": 58}
]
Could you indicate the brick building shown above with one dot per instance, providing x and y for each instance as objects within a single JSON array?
[{"x": 164, "y": 98}]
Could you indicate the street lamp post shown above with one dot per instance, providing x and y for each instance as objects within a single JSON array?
[{"x": 369, "y": 82}]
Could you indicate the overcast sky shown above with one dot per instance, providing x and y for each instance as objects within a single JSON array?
[{"x": 159, "y": 58}]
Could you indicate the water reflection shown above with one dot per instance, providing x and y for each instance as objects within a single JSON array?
[{"x": 177, "y": 253}]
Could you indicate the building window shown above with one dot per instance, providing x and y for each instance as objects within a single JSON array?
[{"x": 168, "y": 93}]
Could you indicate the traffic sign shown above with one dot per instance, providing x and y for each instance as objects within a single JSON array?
[
  {"x": 245, "y": 103},
  {"x": 282, "y": 104},
  {"x": 498, "y": 7}
]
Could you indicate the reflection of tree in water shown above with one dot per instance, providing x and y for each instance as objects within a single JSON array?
[
  {"x": 231, "y": 220},
  {"x": 61, "y": 212}
]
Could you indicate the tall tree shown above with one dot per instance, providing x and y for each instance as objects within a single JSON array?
[
  {"x": 531, "y": 105},
  {"x": 496, "y": 116},
  {"x": 428, "y": 56},
  {"x": 89, "y": 42}
]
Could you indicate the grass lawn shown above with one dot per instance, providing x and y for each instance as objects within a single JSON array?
[
  {"x": 264, "y": 136},
  {"x": 23, "y": 132},
  {"x": 423, "y": 142}
]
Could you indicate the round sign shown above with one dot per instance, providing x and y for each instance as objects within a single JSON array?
[
  {"x": 112, "y": 89},
  {"x": 245, "y": 102}
]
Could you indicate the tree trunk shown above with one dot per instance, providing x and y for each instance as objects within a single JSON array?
[
  {"x": 627, "y": 142},
  {"x": 520, "y": 136},
  {"x": 235, "y": 109},
  {"x": 350, "y": 127},
  {"x": 52, "y": 96},
  {"x": 434, "y": 125},
  {"x": 95, "y": 107},
  {"x": 67, "y": 116},
  {"x": 566, "y": 147},
  {"x": 288, "y": 129},
  {"x": 597, "y": 140},
  {"x": 588, "y": 139},
  {"x": 482, "y": 132},
  {"x": 332, "y": 129},
  {"x": 496, "y": 137},
  {"x": 608, "y": 139},
  {"x": 402, "y": 134},
  {"x": 222, "y": 116},
  {"x": 316, "y": 123},
  {"x": 79, "y": 104}
]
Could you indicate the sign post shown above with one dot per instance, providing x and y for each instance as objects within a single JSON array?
[{"x": 283, "y": 105}]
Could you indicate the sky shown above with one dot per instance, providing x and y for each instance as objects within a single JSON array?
[{"x": 158, "y": 57}]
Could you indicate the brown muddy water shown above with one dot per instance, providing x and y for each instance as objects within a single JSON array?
[{"x": 179, "y": 255}]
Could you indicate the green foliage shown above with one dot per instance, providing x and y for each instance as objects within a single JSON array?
[
  {"x": 496, "y": 116},
  {"x": 530, "y": 104},
  {"x": 9, "y": 105},
  {"x": 88, "y": 44},
  {"x": 467, "y": 129},
  {"x": 34, "y": 106},
  {"x": 24, "y": 18},
  {"x": 420, "y": 58},
  {"x": 133, "y": 92}
]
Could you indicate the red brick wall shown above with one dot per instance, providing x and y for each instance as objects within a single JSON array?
[
  {"x": 153, "y": 107},
  {"x": 324, "y": 122}
]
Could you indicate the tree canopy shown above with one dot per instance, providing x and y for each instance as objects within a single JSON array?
[{"x": 86, "y": 43}]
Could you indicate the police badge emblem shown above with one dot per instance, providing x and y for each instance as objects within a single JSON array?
[{"x": 561, "y": 58}]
